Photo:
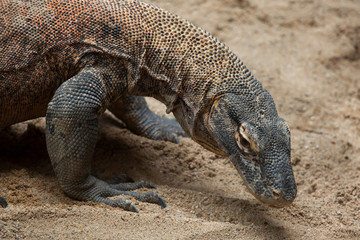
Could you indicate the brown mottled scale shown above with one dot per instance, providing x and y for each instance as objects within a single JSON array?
[
  {"x": 42, "y": 44},
  {"x": 72, "y": 59}
]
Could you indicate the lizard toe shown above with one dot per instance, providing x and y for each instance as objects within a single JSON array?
[
  {"x": 165, "y": 129},
  {"x": 149, "y": 197},
  {"x": 132, "y": 186},
  {"x": 93, "y": 189},
  {"x": 120, "y": 203}
]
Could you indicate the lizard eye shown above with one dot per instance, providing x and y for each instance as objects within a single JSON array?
[{"x": 243, "y": 140}]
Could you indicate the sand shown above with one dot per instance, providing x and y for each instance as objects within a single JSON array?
[{"x": 307, "y": 54}]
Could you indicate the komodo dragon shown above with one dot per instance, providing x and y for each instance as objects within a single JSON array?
[{"x": 69, "y": 60}]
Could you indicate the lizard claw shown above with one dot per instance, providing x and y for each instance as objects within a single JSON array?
[
  {"x": 121, "y": 203},
  {"x": 149, "y": 197},
  {"x": 165, "y": 129}
]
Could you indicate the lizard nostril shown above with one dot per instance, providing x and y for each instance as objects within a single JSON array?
[{"x": 276, "y": 194}]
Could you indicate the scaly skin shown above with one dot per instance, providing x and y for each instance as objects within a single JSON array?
[{"x": 73, "y": 59}]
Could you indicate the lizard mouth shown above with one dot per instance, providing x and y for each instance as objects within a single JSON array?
[
  {"x": 277, "y": 200},
  {"x": 210, "y": 147}
]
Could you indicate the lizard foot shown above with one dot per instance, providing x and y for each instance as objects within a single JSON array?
[
  {"x": 135, "y": 113},
  {"x": 164, "y": 129},
  {"x": 97, "y": 190}
]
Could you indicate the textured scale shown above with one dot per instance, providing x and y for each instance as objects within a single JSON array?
[
  {"x": 168, "y": 47},
  {"x": 72, "y": 59}
]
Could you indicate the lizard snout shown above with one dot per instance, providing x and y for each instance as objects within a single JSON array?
[
  {"x": 280, "y": 199},
  {"x": 283, "y": 193},
  {"x": 277, "y": 197}
]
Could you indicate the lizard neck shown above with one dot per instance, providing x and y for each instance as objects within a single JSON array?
[
  {"x": 184, "y": 67},
  {"x": 190, "y": 93}
]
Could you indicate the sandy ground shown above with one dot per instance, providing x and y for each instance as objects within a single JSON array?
[{"x": 307, "y": 54}]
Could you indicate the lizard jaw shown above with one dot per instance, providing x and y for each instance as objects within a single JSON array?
[
  {"x": 277, "y": 200},
  {"x": 277, "y": 193}
]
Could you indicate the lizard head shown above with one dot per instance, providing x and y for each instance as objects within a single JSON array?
[{"x": 257, "y": 141}]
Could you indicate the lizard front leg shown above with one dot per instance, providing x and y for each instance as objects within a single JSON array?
[
  {"x": 71, "y": 134},
  {"x": 134, "y": 111}
]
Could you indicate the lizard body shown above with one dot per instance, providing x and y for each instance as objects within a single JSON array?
[{"x": 71, "y": 60}]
